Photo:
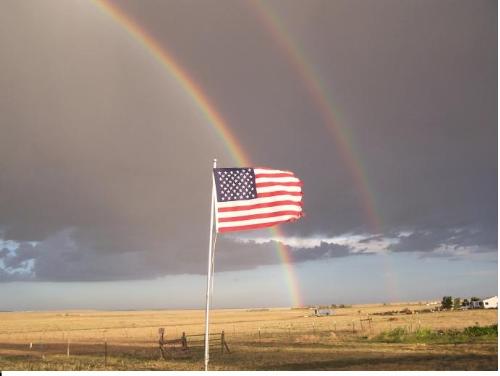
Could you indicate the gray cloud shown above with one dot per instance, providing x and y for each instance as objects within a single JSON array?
[
  {"x": 323, "y": 251},
  {"x": 60, "y": 258},
  {"x": 430, "y": 240},
  {"x": 105, "y": 161}
]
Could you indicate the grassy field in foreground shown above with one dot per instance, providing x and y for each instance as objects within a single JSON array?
[{"x": 274, "y": 339}]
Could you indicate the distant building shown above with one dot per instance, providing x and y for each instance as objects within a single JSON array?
[
  {"x": 323, "y": 312},
  {"x": 490, "y": 302},
  {"x": 476, "y": 304}
]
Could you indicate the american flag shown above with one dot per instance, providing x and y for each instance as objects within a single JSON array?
[{"x": 251, "y": 198}]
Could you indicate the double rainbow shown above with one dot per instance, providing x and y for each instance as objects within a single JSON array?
[
  {"x": 312, "y": 82},
  {"x": 341, "y": 135},
  {"x": 214, "y": 118}
]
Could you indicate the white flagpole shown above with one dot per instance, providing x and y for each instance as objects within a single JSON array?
[{"x": 210, "y": 270}]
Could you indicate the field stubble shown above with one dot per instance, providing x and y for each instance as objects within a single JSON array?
[{"x": 275, "y": 339}]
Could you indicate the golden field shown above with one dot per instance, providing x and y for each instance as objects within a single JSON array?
[{"x": 271, "y": 339}]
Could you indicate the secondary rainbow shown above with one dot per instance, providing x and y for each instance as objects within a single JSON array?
[
  {"x": 341, "y": 135},
  {"x": 167, "y": 60}
]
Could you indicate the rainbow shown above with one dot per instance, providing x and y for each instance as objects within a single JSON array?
[
  {"x": 214, "y": 118},
  {"x": 342, "y": 137}
]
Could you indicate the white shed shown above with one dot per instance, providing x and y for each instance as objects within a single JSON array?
[
  {"x": 491, "y": 302},
  {"x": 323, "y": 312}
]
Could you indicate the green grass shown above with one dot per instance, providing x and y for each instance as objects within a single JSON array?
[{"x": 425, "y": 335}]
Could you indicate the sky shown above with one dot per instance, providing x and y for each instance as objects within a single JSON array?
[{"x": 387, "y": 111}]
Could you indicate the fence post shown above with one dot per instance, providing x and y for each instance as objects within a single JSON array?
[
  {"x": 184, "y": 341},
  {"x": 67, "y": 349},
  {"x": 222, "y": 342},
  {"x": 259, "y": 335},
  {"x": 105, "y": 354},
  {"x": 161, "y": 332}
]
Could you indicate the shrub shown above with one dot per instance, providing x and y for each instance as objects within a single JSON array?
[
  {"x": 425, "y": 335},
  {"x": 393, "y": 336},
  {"x": 478, "y": 331}
]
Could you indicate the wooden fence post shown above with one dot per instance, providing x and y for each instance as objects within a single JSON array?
[
  {"x": 67, "y": 349},
  {"x": 259, "y": 334},
  {"x": 105, "y": 354},
  {"x": 184, "y": 341},
  {"x": 222, "y": 342}
]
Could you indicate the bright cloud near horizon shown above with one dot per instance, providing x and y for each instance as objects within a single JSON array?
[{"x": 387, "y": 111}]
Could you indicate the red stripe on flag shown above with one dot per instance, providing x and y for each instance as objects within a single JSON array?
[
  {"x": 271, "y": 184},
  {"x": 257, "y": 206},
  {"x": 281, "y": 175},
  {"x": 278, "y": 193},
  {"x": 260, "y": 215},
  {"x": 254, "y": 226}
]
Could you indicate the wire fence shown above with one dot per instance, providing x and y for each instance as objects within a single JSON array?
[{"x": 143, "y": 340}]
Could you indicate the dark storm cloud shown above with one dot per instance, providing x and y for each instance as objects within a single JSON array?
[
  {"x": 323, "y": 251},
  {"x": 413, "y": 83},
  {"x": 60, "y": 258},
  {"x": 430, "y": 240},
  {"x": 105, "y": 161}
]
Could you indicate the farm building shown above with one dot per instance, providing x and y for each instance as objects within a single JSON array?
[
  {"x": 476, "y": 304},
  {"x": 323, "y": 312},
  {"x": 491, "y": 302}
]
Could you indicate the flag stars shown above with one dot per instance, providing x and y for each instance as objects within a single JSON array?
[{"x": 235, "y": 184}]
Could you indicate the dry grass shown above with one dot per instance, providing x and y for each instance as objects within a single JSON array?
[{"x": 287, "y": 340}]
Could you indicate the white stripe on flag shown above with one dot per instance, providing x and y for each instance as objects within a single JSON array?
[
  {"x": 271, "y": 209},
  {"x": 262, "y": 200},
  {"x": 258, "y": 171},
  {"x": 275, "y": 188},
  {"x": 257, "y": 221},
  {"x": 278, "y": 180}
]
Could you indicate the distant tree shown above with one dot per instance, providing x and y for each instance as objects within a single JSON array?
[
  {"x": 447, "y": 302},
  {"x": 465, "y": 303},
  {"x": 475, "y": 299},
  {"x": 456, "y": 303}
]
